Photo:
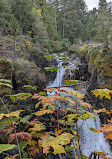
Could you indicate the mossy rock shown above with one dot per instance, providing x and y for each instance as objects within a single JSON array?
[
  {"x": 27, "y": 73},
  {"x": 6, "y": 72},
  {"x": 6, "y": 69}
]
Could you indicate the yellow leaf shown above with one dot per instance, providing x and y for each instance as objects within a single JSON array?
[
  {"x": 87, "y": 115},
  {"x": 73, "y": 131},
  {"x": 37, "y": 127},
  {"x": 1, "y": 116},
  {"x": 64, "y": 138},
  {"x": 71, "y": 116},
  {"x": 77, "y": 94},
  {"x": 39, "y": 12},
  {"x": 33, "y": 143},
  {"x": 58, "y": 149},
  {"x": 58, "y": 132},
  {"x": 77, "y": 142},
  {"x": 37, "y": 105},
  {"x": 102, "y": 93},
  {"x": 16, "y": 113},
  {"x": 56, "y": 143},
  {"x": 70, "y": 100},
  {"x": 39, "y": 113},
  {"x": 95, "y": 130},
  {"x": 102, "y": 110},
  {"x": 46, "y": 149}
]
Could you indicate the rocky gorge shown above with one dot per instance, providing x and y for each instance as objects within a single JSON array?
[{"x": 89, "y": 63}]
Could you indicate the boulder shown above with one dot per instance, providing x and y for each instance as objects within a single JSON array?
[{"x": 27, "y": 73}]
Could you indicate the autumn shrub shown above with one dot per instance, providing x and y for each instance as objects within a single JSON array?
[{"x": 51, "y": 127}]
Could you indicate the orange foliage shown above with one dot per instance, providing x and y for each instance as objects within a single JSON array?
[
  {"x": 43, "y": 111},
  {"x": 58, "y": 132},
  {"x": 107, "y": 130},
  {"x": 33, "y": 150},
  {"x": 35, "y": 121},
  {"x": 21, "y": 136},
  {"x": 48, "y": 100},
  {"x": 102, "y": 111},
  {"x": 56, "y": 143},
  {"x": 85, "y": 104}
]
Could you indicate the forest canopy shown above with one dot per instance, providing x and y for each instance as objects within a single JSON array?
[{"x": 56, "y": 24}]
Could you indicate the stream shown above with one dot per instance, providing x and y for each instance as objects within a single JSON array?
[{"x": 89, "y": 140}]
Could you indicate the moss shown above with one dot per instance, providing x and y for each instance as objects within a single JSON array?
[
  {"x": 6, "y": 68},
  {"x": 106, "y": 65},
  {"x": 99, "y": 60},
  {"x": 28, "y": 73},
  {"x": 6, "y": 43},
  {"x": 6, "y": 71}
]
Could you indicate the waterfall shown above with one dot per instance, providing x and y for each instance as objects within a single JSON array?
[
  {"x": 59, "y": 77},
  {"x": 89, "y": 140}
]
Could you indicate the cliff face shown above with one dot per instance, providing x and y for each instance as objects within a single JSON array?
[{"x": 95, "y": 64}]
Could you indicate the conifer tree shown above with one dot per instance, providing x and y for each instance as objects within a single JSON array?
[{"x": 103, "y": 23}]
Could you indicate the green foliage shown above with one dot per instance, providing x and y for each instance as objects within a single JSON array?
[
  {"x": 103, "y": 23},
  {"x": 9, "y": 23},
  {"x": 38, "y": 127},
  {"x": 68, "y": 82},
  {"x": 49, "y": 57},
  {"x": 51, "y": 69},
  {"x": 6, "y": 147},
  {"x": 16, "y": 114},
  {"x": 102, "y": 93},
  {"x": 94, "y": 130},
  {"x": 19, "y": 96},
  {"x": 55, "y": 24},
  {"x": 5, "y": 84},
  {"x": 30, "y": 87},
  {"x": 25, "y": 119},
  {"x": 65, "y": 44},
  {"x": 5, "y": 81}
]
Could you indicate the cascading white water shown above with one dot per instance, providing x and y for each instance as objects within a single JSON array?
[
  {"x": 89, "y": 140},
  {"x": 59, "y": 77}
]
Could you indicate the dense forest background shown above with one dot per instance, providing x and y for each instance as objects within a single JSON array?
[{"x": 55, "y": 24}]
